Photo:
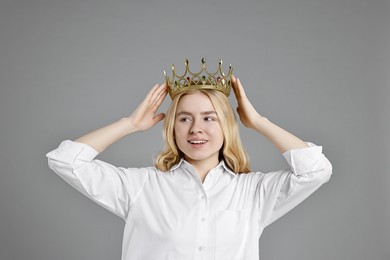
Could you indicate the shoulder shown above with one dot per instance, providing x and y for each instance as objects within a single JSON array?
[
  {"x": 150, "y": 171},
  {"x": 263, "y": 179},
  {"x": 250, "y": 177}
]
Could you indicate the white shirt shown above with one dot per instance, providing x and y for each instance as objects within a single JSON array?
[{"x": 173, "y": 215}]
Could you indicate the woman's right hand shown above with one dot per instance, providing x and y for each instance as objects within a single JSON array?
[{"x": 144, "y": 116}]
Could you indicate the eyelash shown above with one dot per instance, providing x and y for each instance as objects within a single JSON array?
[
  {"x": 184, "y": 119},
  {"x": 207, "y": 119}
]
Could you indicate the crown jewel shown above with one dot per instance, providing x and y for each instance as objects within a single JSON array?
[{"x": 199, "y": 80}]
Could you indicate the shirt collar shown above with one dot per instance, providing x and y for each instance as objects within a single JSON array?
[{"x": 221, "y": 164}]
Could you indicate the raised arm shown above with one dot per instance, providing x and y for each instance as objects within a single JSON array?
[
  {"x": 143, "y": 118},
  {"x": 282, "y": 139}
]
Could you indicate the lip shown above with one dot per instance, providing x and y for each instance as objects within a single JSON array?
[{"x": 202, "y": 142}]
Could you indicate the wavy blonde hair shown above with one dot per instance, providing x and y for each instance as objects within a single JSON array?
[{"x": 232, "y": 152}]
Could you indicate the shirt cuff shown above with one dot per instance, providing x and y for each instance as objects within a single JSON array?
[
  {"x": 69, "y": 151},
  {"x": 305, "y": 160}
]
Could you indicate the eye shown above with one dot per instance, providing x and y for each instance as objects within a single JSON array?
[
  {"x": 209, "y": 118},
  {"x": 184, "y": 119}
]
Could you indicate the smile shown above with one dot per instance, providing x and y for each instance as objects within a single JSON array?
[{"x": 197, "y": 141}]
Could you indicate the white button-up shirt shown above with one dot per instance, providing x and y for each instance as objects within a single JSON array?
[{"x": 173, "y": 215}]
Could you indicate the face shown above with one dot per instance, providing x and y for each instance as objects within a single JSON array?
[{"x": 197, "y": 129}]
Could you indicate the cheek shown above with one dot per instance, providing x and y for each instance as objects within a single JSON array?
[
  {"x": 217, "y": 130},
  {"x": 178, "y": 132},
  {"x": 221, "y": 136},
  {"x": 175, "y": 131}
]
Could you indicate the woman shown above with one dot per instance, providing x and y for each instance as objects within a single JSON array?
[{"x": 200, "y": 201}]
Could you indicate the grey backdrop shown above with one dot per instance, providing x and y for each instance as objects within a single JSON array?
[{"x": 320, "y": 69}]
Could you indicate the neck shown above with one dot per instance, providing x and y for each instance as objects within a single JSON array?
[{"x": 202, "y": 167}]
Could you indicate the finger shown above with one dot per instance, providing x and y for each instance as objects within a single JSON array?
[
  {"x": 150, "y": 94},
  {"x": 157, "y": 92},
  {"x": 162, "y": 88},
  {"x": 158, "y": 103},
  {"x": 235, "y": 87},
  {"x": 160, "y": 98},
  {"x": 153, "y": 89},
  {"x": 240, "y": 88},
  {"x": 158, "y": 118}
]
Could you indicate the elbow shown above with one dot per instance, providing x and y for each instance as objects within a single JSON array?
[
  {"x": 50, "y": 163},
  {"x": 54, "y": 165},
  {"x": 327, "y": 171},
  {"x": 58, "y": 167}
]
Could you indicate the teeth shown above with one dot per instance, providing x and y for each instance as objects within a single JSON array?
[{"x": 197, "y": 142}]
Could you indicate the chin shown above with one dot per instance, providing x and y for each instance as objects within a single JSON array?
[{"x": 195, "y": 157}]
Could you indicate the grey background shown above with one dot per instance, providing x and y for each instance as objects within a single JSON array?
[{"x": 320, "y": 69}]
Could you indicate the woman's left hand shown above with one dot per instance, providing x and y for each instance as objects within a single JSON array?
[
  {"x": 247, "y": 113},
  {"x": 282, "y": 139}
]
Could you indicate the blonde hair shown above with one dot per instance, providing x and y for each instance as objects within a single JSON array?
[{"x": 232, "y": 152}]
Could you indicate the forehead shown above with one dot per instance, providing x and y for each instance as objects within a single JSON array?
[{"x": 195, "y": 102}]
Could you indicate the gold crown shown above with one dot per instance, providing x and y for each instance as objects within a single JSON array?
[{"x": 200, "y": 80}]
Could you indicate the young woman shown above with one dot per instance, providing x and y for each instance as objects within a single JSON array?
[{"x": 201, "y": 200}]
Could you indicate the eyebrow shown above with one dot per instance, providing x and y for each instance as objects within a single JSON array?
[{"x": 203, "y": 113}]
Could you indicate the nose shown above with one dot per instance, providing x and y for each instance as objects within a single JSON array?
[{"x": 195, "y": 128}]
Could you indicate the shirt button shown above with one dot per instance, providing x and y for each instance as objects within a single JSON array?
[
  {"x": 200, "y": 249},
  {"x": 202, "y": 219},
  {"x": 201, "y": 197}
]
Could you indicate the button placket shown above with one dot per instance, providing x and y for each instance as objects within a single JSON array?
[{"x": 202, "y": 225}]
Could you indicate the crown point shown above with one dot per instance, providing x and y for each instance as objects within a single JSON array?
[{"x": 189, "y": 80}]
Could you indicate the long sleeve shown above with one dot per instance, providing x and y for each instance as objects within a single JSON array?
[
  {"x": 114, "y": 188},
  {"x": 283, "y": 190}
]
